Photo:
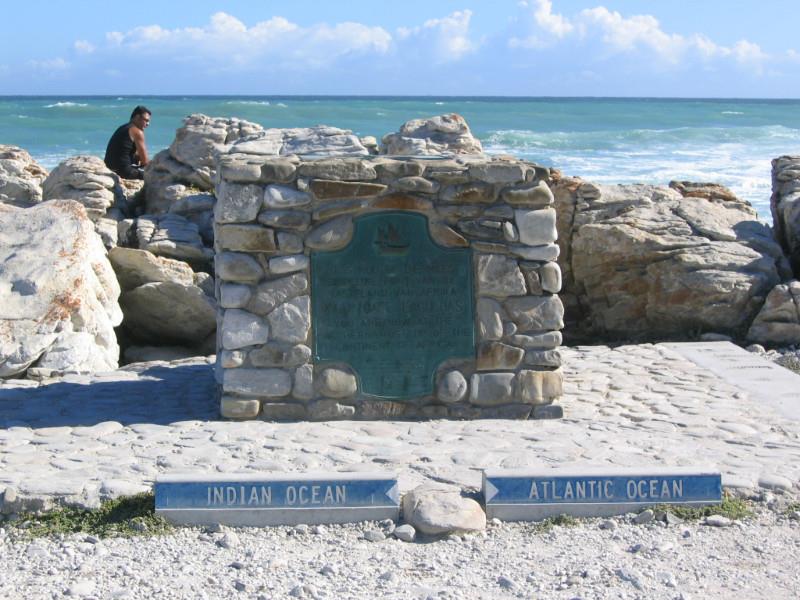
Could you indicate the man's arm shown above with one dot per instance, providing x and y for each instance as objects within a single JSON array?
[{"x": 137, "y": 135}]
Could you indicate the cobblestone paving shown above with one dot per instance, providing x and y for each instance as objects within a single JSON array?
[{"x": 82, "y": 438}]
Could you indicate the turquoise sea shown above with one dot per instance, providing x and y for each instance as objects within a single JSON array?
[{"x": 601, "y": 139}]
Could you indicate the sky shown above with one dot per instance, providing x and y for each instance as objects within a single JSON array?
[{"x": 653, "y": 48}]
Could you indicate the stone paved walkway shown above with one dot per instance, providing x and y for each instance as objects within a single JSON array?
[{"x": 84, "y": 438}]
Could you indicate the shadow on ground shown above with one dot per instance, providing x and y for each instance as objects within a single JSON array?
[{"x": 159, "y": 395}]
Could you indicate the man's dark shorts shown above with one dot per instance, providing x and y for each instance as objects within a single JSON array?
[{"x": 130, "y": 172}]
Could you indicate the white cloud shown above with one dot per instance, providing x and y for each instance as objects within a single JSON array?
[
  {"x": 446, "y": 39},
  {"x": 83, "y": 47},
  {"x": 619, "y": 34},
  {"x": 227, "y": 42}
]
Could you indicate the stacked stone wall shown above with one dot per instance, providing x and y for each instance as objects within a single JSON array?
[{"x": 273, "y": 212}]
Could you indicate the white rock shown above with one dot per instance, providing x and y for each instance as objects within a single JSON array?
[
  {"x": 241, "y": 328},
  {"x": 436, "y": 510}
]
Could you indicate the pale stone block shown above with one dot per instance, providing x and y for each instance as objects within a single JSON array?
[
  {"x": 285, "y": 219},
  {"x": 331, "y": 235},
  {"x": 543, "y": 358},
  {"x": 289, "y": 242},
  {"x": 544, "y": 341},
  {"x": 291, "y": 321},
  {"x": 231, "y": 359},
  {"x": 452, "y": 387},
  {"x": 436, "y": 510},
  {"x": 550, "y": 275},
  {"x": 489, "y": 389},
  {"x": 539, "y": 387},
  {"x": 282, "y": 411},
  {"x": 241, "y": 328},
  {"x": 278, "y": 170},
  {"x": 233, "y": 295},
  {"x": 245, "y": 238},
  {"x": 498, "y": 172},
  {"x": 288, "y": 264},
  {"x": 548, "y": 252},
  {"x": 336, "y": 383},
  {"x": 493, "y": 356},
  {"x": 269, "y": 383},
  {"x": 237, "y": 203},
  {"x": 282, "y": 197},
  {"x": 500, "y": 276},
  {"x": 490, "y": 322},
  {"x": 236, "y": 267},
  {"x": 343, "y": 169},
  {"x": 270, "y": 294},
  {"x": 303, "y": 388},
  {"x": 417, "y": 184},
  {"x": 232, "y": 407},
  {"x": 536, "y": 227},
  {"x": 280, "y": 356},
  {"x": 530, "y": 195},
  {"x": 510, "y": 232},
  {"x": 536, "y": 313},
  {"x": 322, "y": 410}
]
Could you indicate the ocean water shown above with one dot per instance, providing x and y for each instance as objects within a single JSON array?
[{"x": 608, "y": 140}]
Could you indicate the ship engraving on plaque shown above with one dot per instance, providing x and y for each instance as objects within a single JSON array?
[{"x": 393, "y": 305}]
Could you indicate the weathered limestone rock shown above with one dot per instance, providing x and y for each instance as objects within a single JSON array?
[
  {"x": 778, "y": 321},
  {"x": 58, "y": 291},
  {"x": 281, "y": 265},
  {"x": 291, "y": 321},
  {"x": 238, "y": 267},
  {"x": 643, "y": 261},
  {"x": 191, "y": 157},
  {"x": 490, "y": 322},
  {"x": 322, "y": 140},
  {"x": 262, "y": 383},
  {"x": 437, "y": 510},
  {"x": 435, "y": 135},
  {"x": 273, "y": 355},
  {"x": 532, "y": 313},
  {"x": 241, "y": 329},
  {"x": 322, "y": 410},
  {"x": 494, "y": 356},
  {"x": 282, "y": 197},
  {"x": 171, "y": 235},
  {"x": 21, "y": 177},
  {"x": 339, "y": 169},
  {"x": 246, "y": 238},
  {"x": 785, "y": 206},
  {"x": 536, "y": 227},
  {"x": 272, "y": 293},
  {"x": 331, "y": 235},
  {"x": 137, "y": 267},
  {"x": 232, "y": 407},
  {"x": 168, "y": 312},
  {"x": 536, "y": 195},
  {"x": 500, "y": 276},
  {"x": 491, "y": 389},
  {"x": 85, "y": 179}
]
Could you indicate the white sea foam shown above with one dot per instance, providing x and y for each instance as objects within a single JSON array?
[
  {"x": 439, "y": 103},
  {"x": 732, "y": 112},
  {"x": 65, "y": 105},
  {"x": 282, "y": 105},
  {"x": 249, "y": 102}
]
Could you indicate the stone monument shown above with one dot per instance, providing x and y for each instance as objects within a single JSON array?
[{"x": 386, "y": 287}]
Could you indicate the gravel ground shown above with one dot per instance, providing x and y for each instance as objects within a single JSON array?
[{"x": 598, "y": 558}]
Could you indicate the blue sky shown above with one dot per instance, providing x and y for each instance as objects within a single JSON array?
[{"x": 683, "y": 48}]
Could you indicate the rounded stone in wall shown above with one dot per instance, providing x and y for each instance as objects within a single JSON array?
[
  {"x": 337, "y": 383},
  {"x": 452, "y": 387}
]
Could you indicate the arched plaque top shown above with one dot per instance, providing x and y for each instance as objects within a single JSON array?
[{"x": 393, "y": 304}]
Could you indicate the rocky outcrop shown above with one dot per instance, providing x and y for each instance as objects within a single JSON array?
[
  {"x": 85, "y": 179},
  {"x": 785, "y": 206},
  {"x": 190, "y": 158},
  {"x": 164, "y": 303},
  {"x": 58, "y": 292},
  {"x": 21, "y": 177},
  {"x": 170, "y": 235},
  {"x": 778, "y": 321},
  {"x": 443, "y": 134},
  {"x": 646, "y": 262}
]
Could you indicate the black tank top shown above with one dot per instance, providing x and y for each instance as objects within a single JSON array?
[{"x": 120, "y": 149}]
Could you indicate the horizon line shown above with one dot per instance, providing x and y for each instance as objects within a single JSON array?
[{"x": 403, "y": 96}]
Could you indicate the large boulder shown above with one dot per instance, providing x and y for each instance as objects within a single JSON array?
[
  {"x": 785, "y": 206},
  {"x": 778, "y": 322},
  {"x": 170, "y": 235},
  {"x": 21, "y": 177},
  {"x": 58, "y": 292},
  {"x": 646, "y": 262},
  {"x": 191, "y": 156},
  {"x": 443, "y": 134},
  {"x": 85, "y": 179}
]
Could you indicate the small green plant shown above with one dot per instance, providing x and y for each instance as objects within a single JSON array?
[
  {"x": 732, "y": 508},
  {"x": 123, "y": 517},
  {"x": 559, "y": 520}
]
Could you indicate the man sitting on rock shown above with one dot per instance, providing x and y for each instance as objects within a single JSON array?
[{"x": 126, "y": 153}]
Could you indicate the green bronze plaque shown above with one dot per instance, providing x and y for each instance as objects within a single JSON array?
[{"x": 393, "y": 305}]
